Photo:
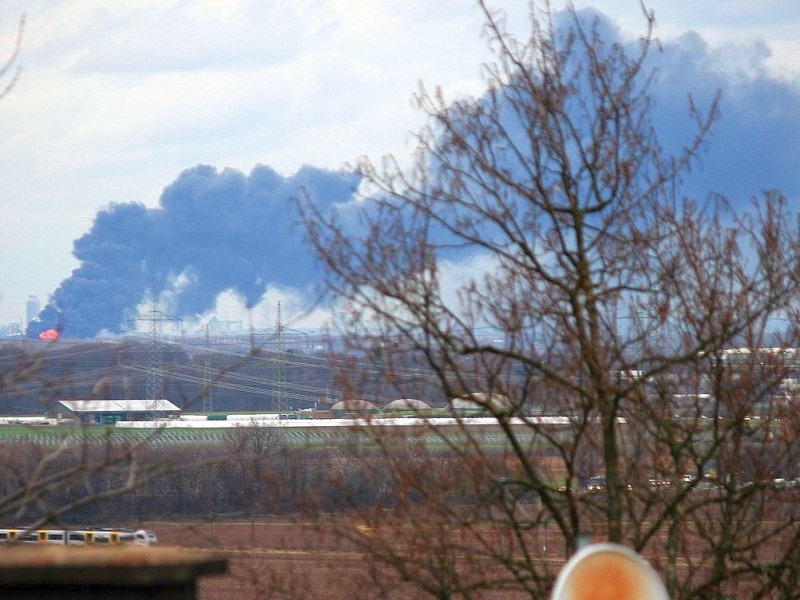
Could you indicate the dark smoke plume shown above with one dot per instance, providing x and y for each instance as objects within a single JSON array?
[
  {"x": 218, "y": 231},
  {"x": 212, "y": 232}
]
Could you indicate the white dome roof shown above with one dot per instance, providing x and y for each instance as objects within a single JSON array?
[
  {"x": 354, "y": 405},
  {"x": 407, "y": 404}
]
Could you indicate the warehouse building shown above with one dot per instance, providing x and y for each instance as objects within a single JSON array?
[{"x": 111, "y": 411}]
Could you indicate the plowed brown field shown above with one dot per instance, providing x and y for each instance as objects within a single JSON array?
[
  {"x": 272, "y": 559},
  {"x": 280, "y": 559}
]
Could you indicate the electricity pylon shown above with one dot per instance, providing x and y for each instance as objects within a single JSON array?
[
  {"x": 279, "y": 379},
  {"x": 154, "y": 389}
]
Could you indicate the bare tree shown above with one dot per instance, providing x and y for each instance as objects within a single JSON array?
[
  {"x": 10, "y": 71},
  {"x": 44, "y": 483},
  {"x": 255, "y": 450},
  {"x": 613, "y": 301}
]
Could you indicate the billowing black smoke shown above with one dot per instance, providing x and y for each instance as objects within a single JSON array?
[
  {"x": 213, "y": 232},
  {"x": 219, "y": 231}
]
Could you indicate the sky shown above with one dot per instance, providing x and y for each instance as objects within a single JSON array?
[{"x": 115, "y": 101}]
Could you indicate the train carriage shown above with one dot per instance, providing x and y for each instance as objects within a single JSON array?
[{"x": 79, "y": 537}]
